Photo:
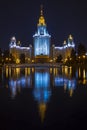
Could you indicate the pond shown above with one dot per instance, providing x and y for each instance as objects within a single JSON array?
[{"x": 43, "y": 97}]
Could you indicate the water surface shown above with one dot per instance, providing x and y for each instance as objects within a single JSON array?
[{"x": 43, "y": 97}]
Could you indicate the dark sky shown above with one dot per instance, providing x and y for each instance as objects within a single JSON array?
[{"x": 63, "y": 17}]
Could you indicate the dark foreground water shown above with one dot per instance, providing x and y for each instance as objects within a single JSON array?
[{"x": 43, "y": 98}]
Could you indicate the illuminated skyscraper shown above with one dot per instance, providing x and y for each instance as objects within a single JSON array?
[
  {"x": 41, "y": 39},
  {"x": 41, "y": 50}
]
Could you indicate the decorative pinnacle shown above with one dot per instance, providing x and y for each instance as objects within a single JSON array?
[{"x": 41, "y": 10}]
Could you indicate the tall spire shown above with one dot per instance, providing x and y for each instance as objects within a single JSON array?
[
  {"x": 41, "y": 11},
  {"x": 41, "y": 19}
]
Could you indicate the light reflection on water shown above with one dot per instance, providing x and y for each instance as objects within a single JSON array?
[
  {"x": 42, "y": 80},
  {"x": 42, "y": 90},
  {"x": 63, "y": 78}
]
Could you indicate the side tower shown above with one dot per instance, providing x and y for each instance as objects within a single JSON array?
[
  {"x": 20, "y": 54},
  {"x": 41, "y": 41}
]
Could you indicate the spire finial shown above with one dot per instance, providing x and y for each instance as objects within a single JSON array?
[
  {"x": 41, "y": 18},
  {"x": 41, "y": 10}
]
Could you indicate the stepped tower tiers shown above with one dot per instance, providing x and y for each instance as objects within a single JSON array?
[{"x": 41, "y": 39}]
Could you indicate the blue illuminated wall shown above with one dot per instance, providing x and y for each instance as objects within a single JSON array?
[{"x": 41, "y": 39}]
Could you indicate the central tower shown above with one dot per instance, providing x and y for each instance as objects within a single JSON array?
[{"x": 41, "y": 41}]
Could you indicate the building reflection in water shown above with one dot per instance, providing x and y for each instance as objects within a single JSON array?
[
  {"x": 42, "y": 90},
  {"x": 81, "y": 75},
  {"x": 63, "y": 78},
  {"x": 84, "y": 76},
  {"x": 19, "y": 78},
  {"x": 42, "y": 80},
  {"x": 18, "y": 81}
]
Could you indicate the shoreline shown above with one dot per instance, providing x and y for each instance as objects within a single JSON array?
[{"x": 33, "y": 65}]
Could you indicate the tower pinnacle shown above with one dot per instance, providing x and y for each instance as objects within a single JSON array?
[
  {"x": 41, "y": 19},
  {"x": 41, "y": 12}
]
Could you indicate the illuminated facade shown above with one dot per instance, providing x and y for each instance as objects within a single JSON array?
[
  {"x": 41, "y": 50},
  {"x": 19, "y": 52},
  {"x": 65, "y": 50},
  {"x": 41, "y": 40}
]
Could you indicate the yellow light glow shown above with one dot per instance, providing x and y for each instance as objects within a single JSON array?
[
  {"x": 32, "y": 70},
  {"x": 6, "y": 58},
  {"x": 51, "y": 60},
  {"x": 9, "y": 72},
  {"x": 17, "y": 61},
  {"x": 6, "y": 72},
  {"x": 79, "y": 73},
  {"x": 42, "y": 109},
  {"x": 63, "y": 69},
  {"x": 50, "y": 70},
  {"x": 84, "y": 74},
  {"x": 54, "y": 71},
  {"x": 32, "y": 60},
  {"x": 18, "y": 72},
  {"x": 70, "y": 37},
  {"x": 66, "y": 59},
  {"x": 26, "y": 72},
  {"x": 84, "y": 81},
  {"x": 28, "y": 59},
  {"x": 71, "y": 92},
  {"x": 83, "y": 56},
  {"x": 41, "y": 21},
  {"x": 70, "y": 70},
  {"x": 66, "y": 70}
]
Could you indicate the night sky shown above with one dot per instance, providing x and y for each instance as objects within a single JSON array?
[{"x": 20, "y": 18}]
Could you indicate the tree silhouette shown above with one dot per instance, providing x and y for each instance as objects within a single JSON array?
[
  {"x": 73, "y": 54},
  {"x": 22, "y": 58},
  {"x": 59, "y": 58},
  {"x": 81, "y": 49}
]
